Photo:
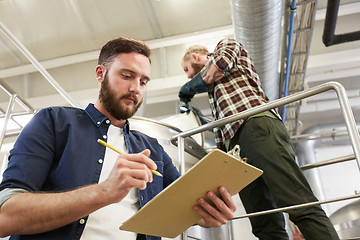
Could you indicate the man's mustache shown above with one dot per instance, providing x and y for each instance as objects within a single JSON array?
[{"x": 134, "y": 97}]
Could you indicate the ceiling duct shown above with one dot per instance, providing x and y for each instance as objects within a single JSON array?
[{"x": 258, "y": 27}]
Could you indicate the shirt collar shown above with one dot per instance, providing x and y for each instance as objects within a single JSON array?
[
  {"x": 95, "y": 115},
  {"x": 98, "y": 118}
]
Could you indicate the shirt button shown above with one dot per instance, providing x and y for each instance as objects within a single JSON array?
[
  {"x": 108, "y": 121},
  {"x": 142, "y": 198},
  {"x": 98, "y": 123},
  {"x": 100, "y": 161},
  {"x": 82, "y": 221},
  {"x": 104, "y": 137}
]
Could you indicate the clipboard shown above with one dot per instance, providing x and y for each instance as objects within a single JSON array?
[{"x": 170, "y": 212}]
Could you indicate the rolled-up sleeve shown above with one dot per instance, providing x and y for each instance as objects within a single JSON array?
[
  {"x": 8, "y": 193},
  {"x": 226, "y": 54}
]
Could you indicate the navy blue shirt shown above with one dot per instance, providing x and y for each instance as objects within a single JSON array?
[{"x": 58, "y": 151}]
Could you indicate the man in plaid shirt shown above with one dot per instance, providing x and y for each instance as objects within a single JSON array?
[{"x": 229, "y": 76}]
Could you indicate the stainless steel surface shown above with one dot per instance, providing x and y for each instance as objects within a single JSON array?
[
  {"x": 181, "y": 156},
  {"x": 189, "y": 149},
  {"x": 221, "y": 233},
  {"x": 186, "y": 121},
  {"x": 306, "y": 147},
  {"x": 346, "y": 221},
  {"x": 163, "y": 133},
  {"x": 306, "y": 155}
]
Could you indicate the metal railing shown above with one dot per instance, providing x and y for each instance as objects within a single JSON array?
[
  {"x": 178, "y": 139},
  {"x": 37, "y": 65},
  {"x": 344, "y": 105},
  {"x": 9, "y": 114},
  {"x": 328, "y": 162},
  {"x": 7, "y": 118}
]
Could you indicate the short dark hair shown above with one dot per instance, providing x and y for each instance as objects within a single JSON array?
[{"x": 122, "y": 45}]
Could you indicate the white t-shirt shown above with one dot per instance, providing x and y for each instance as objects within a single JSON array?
[{"x": 104, "y": 223}]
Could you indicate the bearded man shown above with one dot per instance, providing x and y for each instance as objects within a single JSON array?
[{"x": 62, "y": 184}]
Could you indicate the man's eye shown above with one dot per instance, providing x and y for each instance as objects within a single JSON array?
[
  {"x": 126, "y": 76},
  {"x": 143, "y": 83}
]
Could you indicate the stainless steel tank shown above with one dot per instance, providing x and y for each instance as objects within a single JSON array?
[
  {"x": 346, "y": 221},
  {"x": 194, "y": 151},
  {"x": 163, "y": 133}
]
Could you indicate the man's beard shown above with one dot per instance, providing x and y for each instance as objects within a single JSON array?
[
  {"x": 112, "y": 105},
  {"x": 197, "y": 67}
]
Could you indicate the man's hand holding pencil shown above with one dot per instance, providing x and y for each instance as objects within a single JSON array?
[
  {"x": 130, "y": 170},
  {"x": 116, "y": 150}
]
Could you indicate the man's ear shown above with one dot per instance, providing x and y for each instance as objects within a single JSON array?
[
  {"x": 100, "y": 72},
  {"x": 195, "y": 57}
]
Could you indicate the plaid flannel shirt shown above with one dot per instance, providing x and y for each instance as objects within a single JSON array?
[{"x": 238, "y": 90}]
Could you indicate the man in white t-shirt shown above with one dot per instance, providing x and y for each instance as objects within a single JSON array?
[{"x": 61, "y": 184}]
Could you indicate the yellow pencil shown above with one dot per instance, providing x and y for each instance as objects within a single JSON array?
[{"x": 112, "y": 148}]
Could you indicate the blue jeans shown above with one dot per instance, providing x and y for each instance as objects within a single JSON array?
[{"x": 264, "y": 141}]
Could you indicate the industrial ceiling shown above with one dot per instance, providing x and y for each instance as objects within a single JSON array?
[{"x": 64, "y": 38}]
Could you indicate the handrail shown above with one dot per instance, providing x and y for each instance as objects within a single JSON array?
[
  {"x": 349, "y": 120},
  {"x": 37, "y": 65},
  {"x": 7, "y": 117},
  {"x": 337, "y": 87},
  {"x": 319, "y": 135},
  {"x": 26, "y": 106},
  {"x": 328, "y": 162},
  {"x": 282, "y": 209}
]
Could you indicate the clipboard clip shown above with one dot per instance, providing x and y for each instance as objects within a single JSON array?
[{"x": 235, "y": 152}]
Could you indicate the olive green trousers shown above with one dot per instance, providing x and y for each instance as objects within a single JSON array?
[{"x": 265, "y": 142}]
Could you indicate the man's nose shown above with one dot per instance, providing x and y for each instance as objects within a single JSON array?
[{"x": 135, "y": 85}]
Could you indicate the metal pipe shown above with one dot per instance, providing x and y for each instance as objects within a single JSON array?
[
  {"x": 343, "y": 100},
  {"x": 284, "y": 209},
  {"x": 7, "y": 117},
  {"x": 324, "y": 134},
  {"x": 181, "y": 150},
  {"x": 349, "y": 120},
  {"x": 306, "y": 155},
  {"x": 288, "y": 57},
  {"x": 36, "y": 64},
  {"x": 328, "y": 162},
  {"x": 18, "y": 113},
  {"x": 181, "y": 156},
  {"x": 18, "y": 99},
  {"x": 329, "y": 37},
  {"x": 13, "y": 133}
]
